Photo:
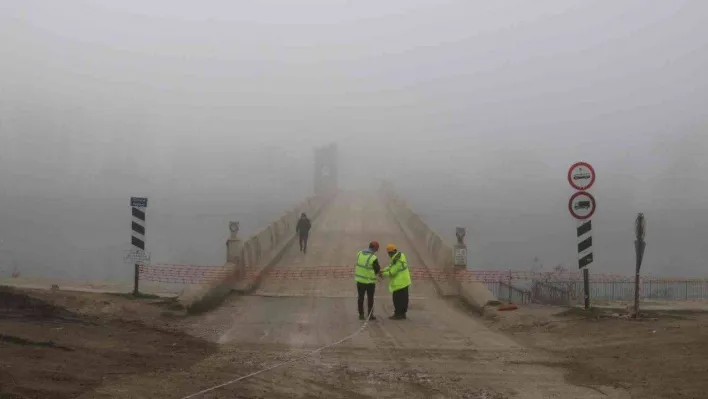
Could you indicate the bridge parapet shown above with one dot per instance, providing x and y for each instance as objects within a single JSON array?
[
  {"x": 256, "y": 254},
  {"x": 437, "y": 255},
  {"x": 265, "y": 248}
]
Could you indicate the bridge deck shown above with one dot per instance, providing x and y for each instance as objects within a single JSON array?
[{"x": 347, "y": 227}]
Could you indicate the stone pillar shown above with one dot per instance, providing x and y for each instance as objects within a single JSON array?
[
  {"x": 233, "y": 245},
  {"x": 233, "y": 253},
  {"x": 460, "y": 249}
]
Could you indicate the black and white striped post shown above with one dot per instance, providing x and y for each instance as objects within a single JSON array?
[
  {"x": 138, "y": 207},
  {"x": 581, "y": 205},
  {"x": 584, "y": 233},
  {"x": 585, "y": 256}
]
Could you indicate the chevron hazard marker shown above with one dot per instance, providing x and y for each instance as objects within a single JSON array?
[{"x": 138, "y": 207}]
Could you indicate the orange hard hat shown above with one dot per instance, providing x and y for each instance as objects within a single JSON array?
[
  {"x": 390, "y": 248},
  {"x": 374, "y": 245}
]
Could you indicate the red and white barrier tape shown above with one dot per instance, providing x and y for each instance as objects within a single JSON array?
[{"x": 193, "y": 274}]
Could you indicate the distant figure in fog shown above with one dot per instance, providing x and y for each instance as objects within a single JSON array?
[{"x": 303, "y": 230}]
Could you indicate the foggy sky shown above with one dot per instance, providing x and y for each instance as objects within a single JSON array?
[{"x": 475, "y": 108}]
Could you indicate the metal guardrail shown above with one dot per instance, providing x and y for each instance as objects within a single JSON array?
[{"x": 571, "y": 291}]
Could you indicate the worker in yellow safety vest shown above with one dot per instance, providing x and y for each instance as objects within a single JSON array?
[
  {"x": 365, "y": 274},
  {"x": 399, "y": 281}
]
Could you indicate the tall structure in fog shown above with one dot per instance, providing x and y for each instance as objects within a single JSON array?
[{"x": 326, "y": 169}]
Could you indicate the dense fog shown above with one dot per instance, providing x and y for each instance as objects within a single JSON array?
[{"x": 474, "y": 108}]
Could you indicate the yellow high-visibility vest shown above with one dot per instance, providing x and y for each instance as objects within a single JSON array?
[
  {"x": 400, "y": 275},
  {"x": 364, "y": 271}
]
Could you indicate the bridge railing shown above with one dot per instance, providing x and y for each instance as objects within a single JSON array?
[
  {"x": 246, "y": 261},
  {"x": 430, "y": 247},
  {"x": 436, "y": 255},
  {"x": 264, "y": 249}
]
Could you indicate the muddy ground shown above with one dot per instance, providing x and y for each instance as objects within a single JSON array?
[
  {"x": 62, "y": 344},
  {"x": 663, "y": 355},
  {"x": 67, "y": 345}
]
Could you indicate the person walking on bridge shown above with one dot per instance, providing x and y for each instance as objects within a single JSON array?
[
  {"x": 303, "y": 230},
  {"x": 365, "y": 272},
  {"x": 399, "y": 281}
]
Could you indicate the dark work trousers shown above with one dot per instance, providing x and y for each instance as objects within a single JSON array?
[
  {"x": 400, "y": 301},
  {"x": 303, "y": 242},
  {"x": 369, "y": 290}
]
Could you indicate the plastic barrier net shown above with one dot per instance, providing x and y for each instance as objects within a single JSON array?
[{"x": 196, "y": 274}]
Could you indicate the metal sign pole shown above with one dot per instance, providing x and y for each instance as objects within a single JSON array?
[
  {"x": 586, "y": 287},
  {"x": 640, "y": 226},
  {"x": 136, "y": 281}
]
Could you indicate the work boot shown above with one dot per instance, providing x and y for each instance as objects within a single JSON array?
[
  {"x": 361, "y": 316},
  {"x": 372, "y": 317},
  {"x": 397, "y": 317}
]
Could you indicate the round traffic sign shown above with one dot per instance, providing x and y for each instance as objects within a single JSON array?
[
  {"x": 581, "y": 176},
  {"x": 581, "y": 205}
]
